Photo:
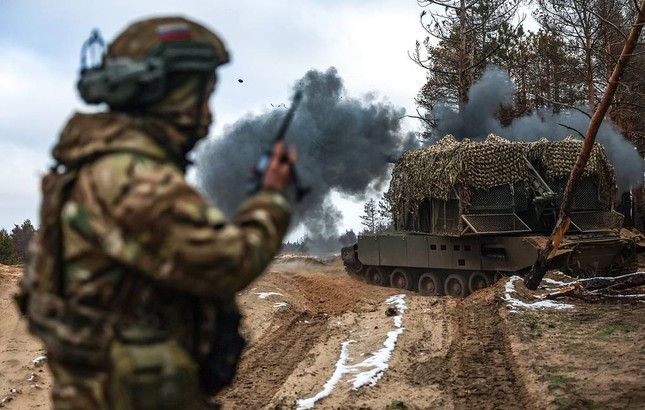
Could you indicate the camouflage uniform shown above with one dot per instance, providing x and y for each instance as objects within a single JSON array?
[{"x": 145, "y": 266}]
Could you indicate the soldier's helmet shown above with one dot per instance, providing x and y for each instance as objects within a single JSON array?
[{"x": 165, "y": 66}]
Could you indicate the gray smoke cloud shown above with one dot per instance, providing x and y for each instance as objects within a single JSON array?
[
  {"x": 344, "y": 144},
  {"x": 495, "y": 87}
]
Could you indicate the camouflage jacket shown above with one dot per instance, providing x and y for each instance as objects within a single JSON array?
[{"x": 140, "y": 243}]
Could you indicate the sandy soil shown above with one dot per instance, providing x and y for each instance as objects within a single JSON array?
[
  {"x": 23, "y": 383},
  {"x": 320, "y": 339}
]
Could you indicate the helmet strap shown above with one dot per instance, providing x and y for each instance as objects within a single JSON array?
[{"x": 201, "y": 97}]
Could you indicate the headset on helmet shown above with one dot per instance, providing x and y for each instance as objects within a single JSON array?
[{"x": 122, "y": 82}]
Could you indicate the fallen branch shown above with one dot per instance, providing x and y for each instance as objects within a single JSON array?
[
  {"x": 619, "y": 282},
  {"x": 593, "y": 289},
  {"x": 570, "y": 291}
]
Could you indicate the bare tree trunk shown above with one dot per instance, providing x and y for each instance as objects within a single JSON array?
[
  {"x": 539, "y": 269},
  {"x": 463, "y": 65},
  {"x": 591, "y": 89},
  {"x": 638, "y": 208}
]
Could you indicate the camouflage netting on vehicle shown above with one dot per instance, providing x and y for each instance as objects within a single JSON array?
[
  {"x": 559, "y": 157},
  {"x": 449, "y": 167}
]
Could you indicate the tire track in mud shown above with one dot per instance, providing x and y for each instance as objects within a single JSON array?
[
  {"x": 481, "y": 365},
  {"x": 455, "y": 354},
  {"x": 266, "y": 365},
  {"x": 315, "y": 297},
  {"x": 477, "y": 369}
]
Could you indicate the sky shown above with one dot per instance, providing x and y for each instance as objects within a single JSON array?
[{"x": 272, "y": 44}]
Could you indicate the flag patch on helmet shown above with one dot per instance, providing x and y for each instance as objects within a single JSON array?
[{"x": 171, "y": 32}]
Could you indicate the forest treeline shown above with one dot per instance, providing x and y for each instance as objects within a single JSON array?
[{"x": 14, "y": 244}]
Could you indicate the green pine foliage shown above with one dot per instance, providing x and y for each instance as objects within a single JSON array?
[
  {"x": 14, "y": 246},
  {"x": 7, "y": 254},
  {"x": 21, "y": 236}
]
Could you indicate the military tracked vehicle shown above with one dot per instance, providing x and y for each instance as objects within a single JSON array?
[{"x": 467, "y": 213}]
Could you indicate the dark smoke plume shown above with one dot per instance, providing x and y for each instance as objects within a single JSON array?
[
  {"x": 344, "y": 145},
  {"x": 478, "y": 120}
]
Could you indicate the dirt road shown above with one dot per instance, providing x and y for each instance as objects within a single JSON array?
[{"x": 320, "y": 339}]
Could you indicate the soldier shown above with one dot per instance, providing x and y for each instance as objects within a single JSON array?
[{"x": 133, "y": 275}]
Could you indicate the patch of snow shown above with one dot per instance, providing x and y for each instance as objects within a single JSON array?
[
  {"x": 514, "y": 303},
  {"x": 264, "y": 295},
  {"x": 564, "y": 275},
  {"x": 39, "y": 361},
  {"x": 370, "y": 370},
  {"x": 609, "y": 277},
  {"x": 341, "y": 368},
  {"x": 627, "y": 296},
  {"x": 280, "y": 304},
  {"x": 555, "y": 282},
  {"x": 377, "y": 362}
]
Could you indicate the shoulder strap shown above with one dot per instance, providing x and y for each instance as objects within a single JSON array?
[
  {"x": 43, "y": 268},
  {"x": 48, "y": 261}
]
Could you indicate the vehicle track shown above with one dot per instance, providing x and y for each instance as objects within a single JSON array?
[
  {"x": 273, "y": 358},
  {"x": 473, "y": 367},
  {"x": 481, "y": 369}
]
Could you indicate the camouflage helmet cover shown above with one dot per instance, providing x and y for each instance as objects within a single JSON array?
[
  {"x": 147, "y": 62},
  {"x": 137, "y": 40},
  {"x": 176, "y": 40}
]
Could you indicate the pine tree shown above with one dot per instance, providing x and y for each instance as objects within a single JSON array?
[
  {"x": 21, "y": 235},
  {"x": 463, "y": 37},
  {"x": 7, "y": 255},
  {"x": 386, "y": 219},
  {"x": 370, "y": 217}
]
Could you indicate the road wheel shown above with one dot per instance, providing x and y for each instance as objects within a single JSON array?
[
  {"x": 477, "y": 280},
  {"x": 402, "y": 279},
  {"x": 456, "y": 285},
  {"x": 377, "y": 276},
  {"x": 430, "y": 284},
  {"x": 357, "y": 268}
]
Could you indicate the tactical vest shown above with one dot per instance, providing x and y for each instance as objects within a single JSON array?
[
  {"x": 84, "y": 335},
  {"x": 76, "y": 333}
]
